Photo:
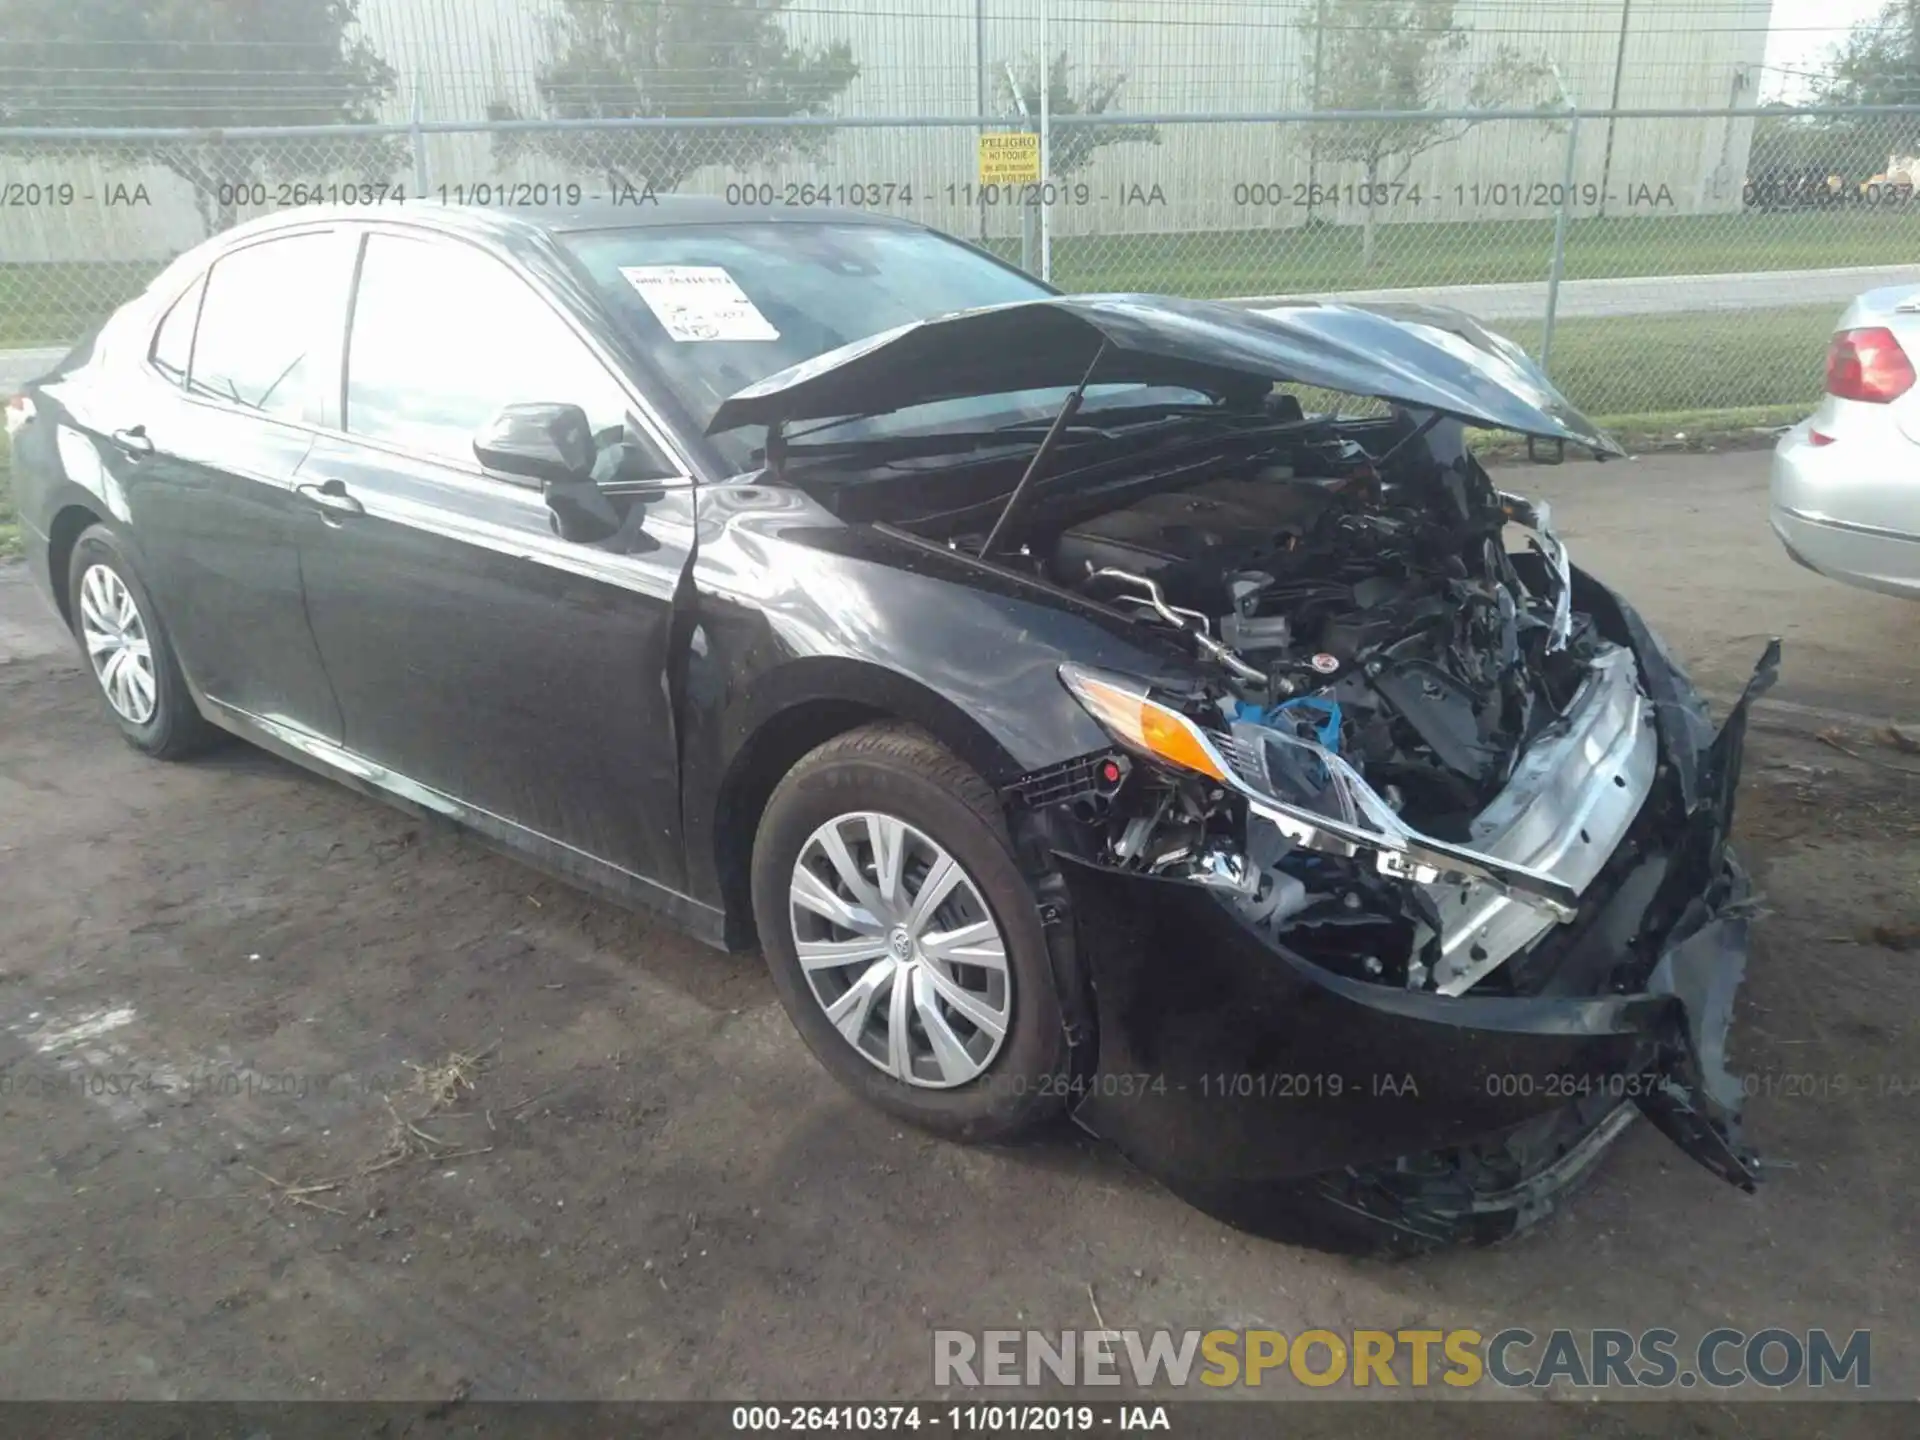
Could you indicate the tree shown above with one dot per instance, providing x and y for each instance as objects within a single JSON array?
[
  {"x": 1879, "y": 61},
  {"x": 1071, "y": 147},
  {"x": 1793, "y": 154},
  {"x": 1878, "y": 64},
  {"x": 1405, "y": 55},
  {"x": 677, "y": 59},
  {"x": 199, "y": 64}
]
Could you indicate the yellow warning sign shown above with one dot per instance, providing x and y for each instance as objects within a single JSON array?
[{"x": 1010, "y": 158}]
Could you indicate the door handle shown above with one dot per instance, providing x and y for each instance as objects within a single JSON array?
[
  {"x": 331, "y": 496},
  {"x": 134, "y": 441}
]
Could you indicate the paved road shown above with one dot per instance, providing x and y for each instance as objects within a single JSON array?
[
  {"x": 17, "y": 366},
  {"x": 1641, "y": 294}
]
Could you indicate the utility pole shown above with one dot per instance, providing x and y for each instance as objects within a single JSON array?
[
  {"x": 1319, "y": 50},
  {"x": 1913, "y": 51},
  {"x": 1619, "y": 70}
]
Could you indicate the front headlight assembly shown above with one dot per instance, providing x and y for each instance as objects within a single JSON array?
[{"x": 1312, "y": 796}]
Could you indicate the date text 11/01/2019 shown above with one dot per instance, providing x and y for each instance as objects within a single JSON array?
[
  {"x": 1480, "y": 195},
  {"x": 860, "y": 194}
]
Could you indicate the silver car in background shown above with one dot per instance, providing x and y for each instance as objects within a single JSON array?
[{"x": 1846, "y": 480}]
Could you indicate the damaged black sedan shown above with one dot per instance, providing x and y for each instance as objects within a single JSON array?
[{"x": 1083, "y": 708}]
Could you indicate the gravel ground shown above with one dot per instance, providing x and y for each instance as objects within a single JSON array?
[{"x": 578, "y": 1155}]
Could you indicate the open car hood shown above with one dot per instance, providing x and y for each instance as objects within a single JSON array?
[{"x": 1424, "y": 357}]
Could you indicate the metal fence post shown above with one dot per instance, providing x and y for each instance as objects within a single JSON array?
[
  {"x": 980, "y": 96},
  {"x": 1559, "y": 266},
  {"x": 1046, "y": 149},
  {"x": 1031, "y": 240},
  {"x": 418, "y": 137},
  {"x": 1029, "y": 214}
]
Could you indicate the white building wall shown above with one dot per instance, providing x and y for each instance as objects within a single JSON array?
[{"x": 919, "y": 57}]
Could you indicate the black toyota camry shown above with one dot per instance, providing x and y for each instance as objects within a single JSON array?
[{"x": 1079, "y": 714}]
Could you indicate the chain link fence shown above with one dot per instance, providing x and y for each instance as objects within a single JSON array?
[{"x": 1661, "y": 262}]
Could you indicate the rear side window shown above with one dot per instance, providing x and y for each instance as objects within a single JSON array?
[
  {"x": 173, "y": 341},
  {"x": 444, "y": 336},
  {"x": 262, "y": 321}
]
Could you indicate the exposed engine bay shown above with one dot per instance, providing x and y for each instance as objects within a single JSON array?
[
  {"x": 1380, "y": 659},
  {"x": 1400, "y": 640}
]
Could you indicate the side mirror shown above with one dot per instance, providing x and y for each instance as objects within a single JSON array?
[{"x": 552, "y": 444}]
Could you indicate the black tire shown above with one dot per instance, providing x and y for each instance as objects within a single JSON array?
[
  {"x": 175, "y": 730},
  {"x": 899, "y": 771}
]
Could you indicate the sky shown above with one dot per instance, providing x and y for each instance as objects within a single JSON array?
[{"x": 1803, "y": 31}]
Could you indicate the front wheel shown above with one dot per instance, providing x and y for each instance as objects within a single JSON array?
[{"x": 904, "y": 940}]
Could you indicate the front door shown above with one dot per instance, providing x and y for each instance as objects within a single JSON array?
[{"x": 477, "y": 655}]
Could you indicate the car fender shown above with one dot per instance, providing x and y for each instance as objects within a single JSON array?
[{"x": 797, "y": 626}]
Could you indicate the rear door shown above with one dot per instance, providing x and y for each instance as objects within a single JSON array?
[
  {"x": 478, "y": 657},
  {"x": 215, "y": 425}
]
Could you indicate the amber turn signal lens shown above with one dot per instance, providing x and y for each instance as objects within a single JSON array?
[{"x": 1141, "y": 724}]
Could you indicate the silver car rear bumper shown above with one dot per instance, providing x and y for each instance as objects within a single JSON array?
[{"x": 1850, "y": 510}]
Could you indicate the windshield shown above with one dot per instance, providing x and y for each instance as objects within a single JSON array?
[{"x": 717, "y": 307}]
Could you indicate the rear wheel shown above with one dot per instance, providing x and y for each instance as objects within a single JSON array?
[
  {"x": 126, "y": 648},
  {"x": 904, "y": 940}
]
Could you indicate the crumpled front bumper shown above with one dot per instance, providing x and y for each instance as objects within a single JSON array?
[{"x": 1236, "y": 1071}]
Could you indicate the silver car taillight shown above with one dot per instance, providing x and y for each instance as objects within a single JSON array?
[
  {"x": 19, "y": 411},
  {"x": 1868, "y": 364}
]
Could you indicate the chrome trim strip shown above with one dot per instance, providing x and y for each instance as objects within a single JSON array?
[{"x": 1853, "y": 527}]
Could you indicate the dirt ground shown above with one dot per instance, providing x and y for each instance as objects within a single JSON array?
[{"x": 634, "y": 1182}]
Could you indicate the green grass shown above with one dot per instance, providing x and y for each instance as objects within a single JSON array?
[
  {"x": 9, "y": 517},
  {"x": 1631, "y": 367},
  {"x": 54, "y": 304},
  {"x": 1646, "y": 378},
  {"x": 1327, "y": 257},
  {"x": 1728, "y": 420}
]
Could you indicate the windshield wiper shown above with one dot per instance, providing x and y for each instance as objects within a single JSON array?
[{"x": 1003, "y": 531}]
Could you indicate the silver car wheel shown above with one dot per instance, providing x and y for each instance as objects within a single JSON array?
[
  {"x": 117, "y": 644},
  {"x": 900, "y": 950}
]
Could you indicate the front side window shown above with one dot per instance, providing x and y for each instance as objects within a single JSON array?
[
  {"x": 263, "y": 321},
  {"x": 445, "y": 336},
  {"x": 173, "y": 341}
]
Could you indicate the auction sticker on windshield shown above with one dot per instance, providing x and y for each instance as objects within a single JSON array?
[{"x": 699, "y": 302}]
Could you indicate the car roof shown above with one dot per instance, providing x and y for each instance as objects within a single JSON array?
[{"x": 505, "y": 224}]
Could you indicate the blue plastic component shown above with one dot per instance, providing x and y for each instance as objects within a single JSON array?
[{"x": 1326, "y": 730}]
